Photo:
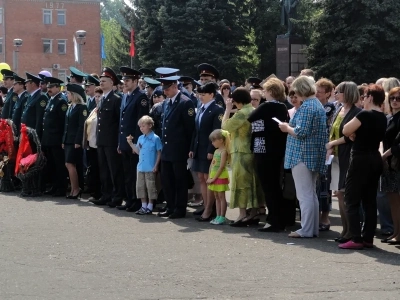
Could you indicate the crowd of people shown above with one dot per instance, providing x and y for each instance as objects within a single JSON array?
[{"x": 136, "y": 140}]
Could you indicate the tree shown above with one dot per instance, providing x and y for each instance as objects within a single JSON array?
[
  {"x": 112, "y": 10},
  {"x": 356, "y": 40},
  {"x": 116, "y": 45},
  {"x": 265, "y": 20}
]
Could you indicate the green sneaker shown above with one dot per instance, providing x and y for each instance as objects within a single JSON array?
[
  {"x": 221, "y": 220},
  {"x": 214, "y": 221}
]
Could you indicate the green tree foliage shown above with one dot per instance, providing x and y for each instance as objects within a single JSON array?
[
  {"x": 356, "y": 40},
  {"x": 116, "y": 45},
  {"x": 112, "y": 10},
  {"x": 265, "y": 21}
]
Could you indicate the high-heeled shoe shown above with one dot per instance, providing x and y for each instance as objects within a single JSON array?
[{"x": 77, "y": 196}]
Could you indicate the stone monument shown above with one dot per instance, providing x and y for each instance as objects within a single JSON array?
[{"x": 290, "y": 47}]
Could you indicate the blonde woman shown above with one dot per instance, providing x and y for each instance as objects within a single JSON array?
[
  {"x": 305, "y": 153},
  {"x": 72, "y": 140},
  {"x": 90, "y": 143}
]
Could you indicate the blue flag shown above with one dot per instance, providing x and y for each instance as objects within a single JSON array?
[{"x": 103, "y": 50}]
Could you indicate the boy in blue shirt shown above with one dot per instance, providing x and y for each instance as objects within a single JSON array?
[{"x": 149, "y": 148}]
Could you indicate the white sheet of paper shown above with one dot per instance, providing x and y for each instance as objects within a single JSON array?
[
  {"x": 277, "y": 120},
  {"x": 329, "y": 160}
]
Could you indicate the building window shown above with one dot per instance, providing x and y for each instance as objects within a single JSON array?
[
  {"x": 62, "y": 75},
  {"x": 61, "y": 17},
  {"x": 47, "y": 46},
  {"x": 47, "y": 16},
  {"x": 62, "y": 46},
  {"x": 1, "y": 15},
  {"x": 1, "y": 45}
]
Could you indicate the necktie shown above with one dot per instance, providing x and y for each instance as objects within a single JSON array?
[
  {"x": 168, "y": 106},
  {"x": 101, "y": 102},
  {"x": 201, "y": 113}
]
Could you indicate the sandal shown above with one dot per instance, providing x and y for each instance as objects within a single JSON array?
[{"x": 324, "y": 227}]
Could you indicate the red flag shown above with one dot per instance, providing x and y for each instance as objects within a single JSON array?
[{"x": 132, "y": 50}]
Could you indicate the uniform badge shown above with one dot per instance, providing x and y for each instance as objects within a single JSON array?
[
  {"x": 64, "y": 107},
  {"x": 327, "y": 109},
  {"x": 51, "y": 107},
  {"x": 143, "y": 102},
  {"x": 190, "y": 112},
  {"x": 15, "y": 98},
  {"x": 220, "y": 117},
  {"x": 43, "y": 103},
  {"x": 85, "y": 113}
]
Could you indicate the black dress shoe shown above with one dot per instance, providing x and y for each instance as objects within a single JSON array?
[
  {"x": 99, "y": 202},
  {"x": 122, "y": 207},
  {"x": 201, "y": 219},
  {"x": 164, "y": 214},
  {"x": 391, "y": 242},
  {"x": 198, "y": 212},
  {"x": 177, "y": 215},
  {"x": 114, "y": 204}
]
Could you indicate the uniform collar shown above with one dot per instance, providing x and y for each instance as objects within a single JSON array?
[
  {"x": 207, "y": 105},
  {"x": 35, "y": 92}
]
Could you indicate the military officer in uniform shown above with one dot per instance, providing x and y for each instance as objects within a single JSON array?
[
  {"x": 188, "y": 84},
  {"x": 135, "y": 105},
  {"x": 11, "y": 98},
  {"x": 32, "y": 115},
  {"x": 210, "y": 73},
  {"x": 19, "y": 90},
  {"x": 110, "y": 162},
  {"x": 177, "y": 129},
  {"x": 43, "y": 85},
  {"x": 147, "y": 73},
  {"x": 151, "y": 85},
  {"x": 76, "y": 77},
  {"x": 53, "y": 130},
  {"x": 91, "y": 83}
]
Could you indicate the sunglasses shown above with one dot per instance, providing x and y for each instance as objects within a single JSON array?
[
  {"x": 226, "y": 88},
  {"x": 391, "y": 98}
]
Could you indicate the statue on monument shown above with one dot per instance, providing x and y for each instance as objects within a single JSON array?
[{"x": 288, "y": 11}]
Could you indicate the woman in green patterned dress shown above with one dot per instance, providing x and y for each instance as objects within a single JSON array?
[{"x": 245, "y": 190}]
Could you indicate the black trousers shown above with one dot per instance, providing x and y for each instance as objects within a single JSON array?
[
  {"x": 55, "y": 171},
  {"x": 175, "y": 187},
  {"x": 93, "y": 177},
  {"x": 268, "y": 168},
  {"x": 129, "y": 162},
  {"x": 111, "y": 174},
  {"x": 361, "y": 187}
]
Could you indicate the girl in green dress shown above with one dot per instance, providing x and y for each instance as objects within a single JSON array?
[{"x": 218, "y": 180}]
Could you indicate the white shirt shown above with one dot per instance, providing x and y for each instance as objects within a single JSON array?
[
  {"x": 173, "y": 98},
  {"x": 205, "y": 108},
  {"x": 35, "y": 92}
]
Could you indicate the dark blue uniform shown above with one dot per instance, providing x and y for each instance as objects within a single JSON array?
[
  {"x": 32, "y": 115},
  {"x": 8, "y": 104},
  {"x": 91, "y": 104},
  {"x": 18, "y": 108},
  {"x": 133, "y": 107},
  {"x": 75, "y": 118},
  {"x": 201, "y": 145},
  {"x": 178, "y": 125},
  {"x": 53, "y": 130},
  {"x": 156, "y": 113},
  {"x": 220, "y": 100},
  {"x": 110, "y": 164}
]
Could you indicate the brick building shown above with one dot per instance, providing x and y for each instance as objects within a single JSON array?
[{"x": 47, "y": 29}]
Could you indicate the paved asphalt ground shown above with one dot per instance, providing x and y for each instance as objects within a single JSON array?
[{"x": 69, "y": 249}]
